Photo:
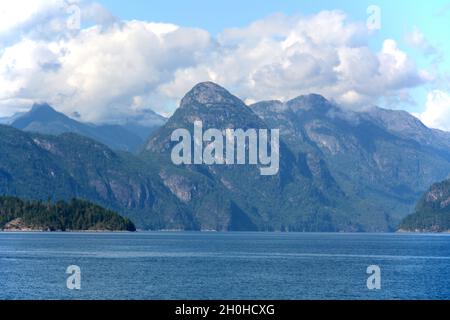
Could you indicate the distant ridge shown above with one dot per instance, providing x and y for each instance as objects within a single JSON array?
[{"x": 129, "y": 136}]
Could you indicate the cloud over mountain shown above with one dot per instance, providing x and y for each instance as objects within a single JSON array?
[
  {"x": 111, "y": 69},
  {"x": 437, "y": 111}
]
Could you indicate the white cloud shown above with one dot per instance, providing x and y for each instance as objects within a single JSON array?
[
  {"x": 437, "y": 111},
  {"x": 100, "y": 73},
  {"x": 281, "y": 57},
  {"x": 43, "y": 19},
  {"x": 18, "y": 13},
  {"x": 417, "y": 39},
  {"x": 117, "y": 68}
]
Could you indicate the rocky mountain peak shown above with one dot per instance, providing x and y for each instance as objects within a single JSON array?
[
  {"x": 310, "y": 102},
  {"x": 42, "y": 107},
  {"x": 313, "y": 101},
  {"x": 38, "y": 112},
  {"x": 209, "y": 93}
]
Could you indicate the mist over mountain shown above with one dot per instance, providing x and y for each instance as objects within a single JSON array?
[
  {"x": 127, "y": 135},
  {"x": 11, "y": 119},
  {"x": 339, "y": 170},
  {"x": 142, "y": 124}
]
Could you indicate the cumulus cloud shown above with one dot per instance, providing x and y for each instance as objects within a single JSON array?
[
  {"x": 39, "y": 19},
  {"x": 115, "y": 68},
  {"x": 20, "y": 13},
  {"x": 49, "y": 19},
  {"x": 100, "y": 73},
  {"x": 281, "y": 57},
  {"x": 437, "y": 111},
  {"x": 417, "y": 39}
]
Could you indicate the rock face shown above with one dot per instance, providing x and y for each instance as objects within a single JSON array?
[
  {"x": 18, "y": 225},
  {"x": 209, "y": 94},
  {"x": 302, "y": 193},
  {"x": 339, "y": 170},
  {"x": 35, "y": 166},
  {"x": 382, "y": 159},
  {"x": 432, "y": 212}
]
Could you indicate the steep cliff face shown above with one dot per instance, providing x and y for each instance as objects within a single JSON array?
[
  {"x": 303, "y": 196},
  {"x": 62, "y": 167},
  {"x": 382, "y": 159},
  {"x": 432, "y": 212},
  {"x": 338, "y": 170}
]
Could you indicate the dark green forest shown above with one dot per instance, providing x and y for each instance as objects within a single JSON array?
[
  {"x": 429, "y": 221},
  {"x": 74, "y": 215},
  {"x": 432, "y": 212}
]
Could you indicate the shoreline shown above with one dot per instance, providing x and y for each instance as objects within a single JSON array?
[
  {"x": 66, "y": 231},
  {"x": 422, "y": 231},
  {"x": 399, "y": 233}
]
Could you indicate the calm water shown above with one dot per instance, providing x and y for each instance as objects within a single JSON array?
[{"x": 159, "y": 265}]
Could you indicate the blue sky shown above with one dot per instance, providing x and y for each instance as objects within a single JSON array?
[
  {"x": 398, "y": 18},
  {"x": 127, "y": 56},
  {"x": 218, "y": 15}
]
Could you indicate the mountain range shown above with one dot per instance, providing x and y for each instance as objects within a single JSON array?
[
  {"x": 127, "y": 135},
  {"x": 382, "y": 159},
  {"x": 339, "y": 170}
]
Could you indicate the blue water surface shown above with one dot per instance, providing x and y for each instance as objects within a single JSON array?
[{"x": 235, "y": 265}]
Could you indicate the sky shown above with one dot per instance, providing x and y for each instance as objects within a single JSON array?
[{"x": 104, "y": 60}]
